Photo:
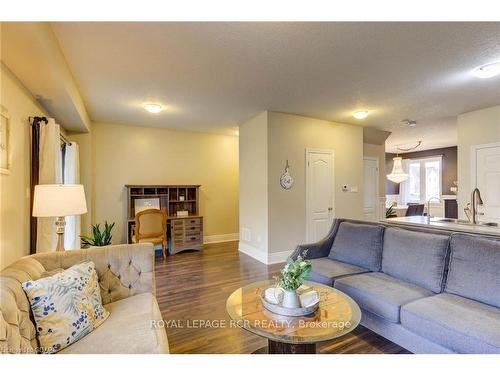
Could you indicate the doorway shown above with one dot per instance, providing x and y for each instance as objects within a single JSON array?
[
  {"x": 370, "y": 182},
  {"x": 319, "y": 193},
  {"x": 486, "y": 177}
]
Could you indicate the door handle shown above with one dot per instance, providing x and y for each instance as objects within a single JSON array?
[{"x": 330, "y": 208}]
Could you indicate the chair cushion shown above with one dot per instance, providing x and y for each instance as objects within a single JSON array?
[
  {"x": 358, "y": 244},
  {"x": 474, "y": 270},
  {"x": 415, "y": 257},
  {"x": 153, "y": 240},
  {"x": 325, "y": 270},
  {"x": 380, "y": 294},
  {"x": 458, "y": 323},
  {"x": 127, "y": 330}
]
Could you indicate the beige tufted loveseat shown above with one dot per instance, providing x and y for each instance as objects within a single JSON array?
[{"x": 126, "y": 278}]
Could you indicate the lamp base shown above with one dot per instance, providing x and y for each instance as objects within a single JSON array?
[{"x": 60, "y": 224}]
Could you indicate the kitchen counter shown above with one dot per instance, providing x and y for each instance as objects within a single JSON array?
[{"x": 421, "y": 221}]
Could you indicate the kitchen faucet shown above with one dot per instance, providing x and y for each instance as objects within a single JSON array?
[
  {"x": 475, "y": 201},
  {"x": 429, "y": 207}
]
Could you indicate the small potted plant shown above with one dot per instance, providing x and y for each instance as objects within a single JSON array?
[
  {"x": 98, "y": 238},
  {"x": 292, "y": 277}
]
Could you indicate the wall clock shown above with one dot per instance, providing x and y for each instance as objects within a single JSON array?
[{"x": 286, "y": 179}]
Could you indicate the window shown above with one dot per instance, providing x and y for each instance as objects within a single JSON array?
[{"x": 424, "y": 180}]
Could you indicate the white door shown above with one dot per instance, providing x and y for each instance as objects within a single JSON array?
[
  {"x": 487, "y": 180},
  {"x": 370, "y": 173},
  {"x": 319, "y": 193}
]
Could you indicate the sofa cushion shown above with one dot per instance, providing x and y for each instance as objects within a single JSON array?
[
  {"x": 474, "y": 270},
  {"x": 326, "y": 270},
  {"x": 458, "y": 323},
  {"x": 358, "y": 244},
  {"x": 127, "y": 330},
  {"x": 415, "y": 257},
  {"x": 380, "y": 294}
]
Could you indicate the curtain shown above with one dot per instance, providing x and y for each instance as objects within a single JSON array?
[
  {"x": 35, "y": 164},
  {"x": 49, "y": 172},
  {"x": 72, "y": 176}
]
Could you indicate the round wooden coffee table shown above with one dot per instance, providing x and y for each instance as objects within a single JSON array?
[{"x": 336, "y": 316}]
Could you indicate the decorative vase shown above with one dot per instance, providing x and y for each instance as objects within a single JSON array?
[{"x": 290, "y": 299}]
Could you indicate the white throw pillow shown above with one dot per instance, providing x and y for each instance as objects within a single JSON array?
[{"x": 66, "y": 306}]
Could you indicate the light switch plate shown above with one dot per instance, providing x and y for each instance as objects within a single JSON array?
[{"x": 354, "y": 189}]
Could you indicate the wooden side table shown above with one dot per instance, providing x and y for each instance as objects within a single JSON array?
[{"x": 336, "y": 316}]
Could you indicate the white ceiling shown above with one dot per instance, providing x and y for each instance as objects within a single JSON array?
[{"x": 212, "y": 76}]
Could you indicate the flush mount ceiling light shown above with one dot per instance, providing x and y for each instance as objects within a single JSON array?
[
  {"x": 487, "y": 71},
  {"x": 410, "y": 123},
  {"x": 152, "y": 107},
  {"x": 360, "y": 115}
]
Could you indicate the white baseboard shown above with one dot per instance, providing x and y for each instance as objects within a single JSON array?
[
  {"x": 263, "y": 257},
  {"x": 279, "y": 257},
  {"x": 253, "y": 252},
  {"x": 216, "y": 238}
]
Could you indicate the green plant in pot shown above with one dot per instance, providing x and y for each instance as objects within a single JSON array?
[
  {"x": 99, "y": 238},
  {"x": 292, "y": 277},
  {"x": 390, "y": 212}
]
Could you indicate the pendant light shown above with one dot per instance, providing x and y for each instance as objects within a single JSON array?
[{"x": 398, "y": 174}]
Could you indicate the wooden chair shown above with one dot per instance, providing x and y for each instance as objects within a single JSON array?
[{"x": 151, "y": 226}]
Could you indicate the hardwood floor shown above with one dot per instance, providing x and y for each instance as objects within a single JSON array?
[{"x": 192, "y": 288}]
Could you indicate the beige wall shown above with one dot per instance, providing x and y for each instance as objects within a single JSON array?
[
  {"x": 288, "y": 138},
  {"x": 377, "y": 151},
  {"x": 474, "y": 128},
  {"x": 143, "y": 155},
  {"x": 279, "y": 215},
  {"x": 14, "y": 187},
  {"x": 253, "y": 182}
]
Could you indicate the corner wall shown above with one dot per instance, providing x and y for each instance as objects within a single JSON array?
[
  {"x": 19, "y": 104},
  {"x": 289, "y": 137},
  {"x": 274, "y": 219},
  {"x": 253, "y": 197}
]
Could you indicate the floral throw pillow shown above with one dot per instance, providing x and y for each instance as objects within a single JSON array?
[{"x": 66, "y": 306}]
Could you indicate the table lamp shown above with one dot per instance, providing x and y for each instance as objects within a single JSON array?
[{"x": 59, "y": 201}]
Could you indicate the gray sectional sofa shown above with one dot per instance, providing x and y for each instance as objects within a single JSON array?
[{"x": 430, "y": 291}]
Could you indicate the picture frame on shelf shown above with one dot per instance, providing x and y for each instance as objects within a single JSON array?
[{"x": 5, "y": 166}]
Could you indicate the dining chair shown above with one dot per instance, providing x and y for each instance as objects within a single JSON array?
[
  {"x": 415, "y": 209},
  {"x": 151, "y": 226}
]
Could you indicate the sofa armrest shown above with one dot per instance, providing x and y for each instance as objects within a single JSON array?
[
  {"x": 123, "y": 270},
  {"x": 318, "y": 249}
]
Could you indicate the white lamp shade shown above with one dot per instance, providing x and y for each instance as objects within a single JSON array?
[
  {"x": 397, "y": 175},
  {"x": 59, "y": 200}
]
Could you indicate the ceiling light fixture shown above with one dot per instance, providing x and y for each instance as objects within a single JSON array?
[
  {"x": 398, "y": 174},
  {"x": 487, "y": 71},
  {"x": 360, "y": 115},
  {"x": 410, "y": 123},
  {"x": 153, "y": 108}
]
